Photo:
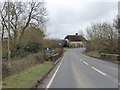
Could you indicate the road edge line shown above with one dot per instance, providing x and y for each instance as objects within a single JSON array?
[{"x": 51, "y": 80}]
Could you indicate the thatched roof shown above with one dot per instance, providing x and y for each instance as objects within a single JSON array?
[{"x": 75, "y": 38}]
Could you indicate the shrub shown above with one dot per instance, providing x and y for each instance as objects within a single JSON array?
[
  {"x": 5, "y": 70},
  {"x": 39, "y": 57},
  {"x": 19, "y": 64},
  {"x": 33, "y": 47},
  {"x": 19, "y": 53}
]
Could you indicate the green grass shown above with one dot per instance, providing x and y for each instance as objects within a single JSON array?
[{"x": 27, "y": 78}]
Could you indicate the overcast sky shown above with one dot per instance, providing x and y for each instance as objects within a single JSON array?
[{"x": 71, "y": 16}]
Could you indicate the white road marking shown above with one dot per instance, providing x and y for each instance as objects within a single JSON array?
[
  {"x": 85, "y": 62},
  {"x": 54, "y": 74},
  {"x": 80, "y": 60},
  {"x": 98, "y": 71},
  {"x": 92, "y": 67}
]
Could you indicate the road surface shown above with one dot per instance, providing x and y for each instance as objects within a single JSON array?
[{"x": 77, "y": 70}]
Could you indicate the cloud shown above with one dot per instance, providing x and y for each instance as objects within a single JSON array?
[{"x": 68, "y": 16}]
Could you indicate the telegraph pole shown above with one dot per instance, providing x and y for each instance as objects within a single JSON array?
[{"x": 9, "y": 34}]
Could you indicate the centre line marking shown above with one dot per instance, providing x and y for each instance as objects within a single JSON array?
[
  {"x": 98, "y": 71},
  {"x": 81, "y": 60},
  {"x": 85, "y": 62},
  {"x": 54, "y": 74}
]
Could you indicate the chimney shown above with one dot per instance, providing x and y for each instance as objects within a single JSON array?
[{"x": 76, "y": 34}]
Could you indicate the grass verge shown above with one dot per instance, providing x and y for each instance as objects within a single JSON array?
[
  {"x": 95, "y": 54},
  {"x": 27, "y": 78}
]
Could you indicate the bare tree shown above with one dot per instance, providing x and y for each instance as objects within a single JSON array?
[
  {"x": 22, "y": 15},
  {"x": 103, "y": 37},
  {"x": 116, "y": 25},
  {"x": 81, "y": 33}
]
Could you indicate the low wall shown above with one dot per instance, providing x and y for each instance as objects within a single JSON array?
[
  {"x": 110, "y": 57},
  {"x": 55, "y": 57}
]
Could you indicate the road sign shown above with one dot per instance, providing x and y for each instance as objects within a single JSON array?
[{"x": 47, "y": 50}]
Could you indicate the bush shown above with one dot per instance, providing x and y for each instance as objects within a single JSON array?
[
  {"x": 39, "y": 57},
  {"x": 19, "y": 64},
  {"x": 33, "y": 47},
  {"x": 5, "y": 70},
  {"x": 19, "y": 53}
]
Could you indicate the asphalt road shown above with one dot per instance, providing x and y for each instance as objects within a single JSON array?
[{"x": 77, "y": 70}]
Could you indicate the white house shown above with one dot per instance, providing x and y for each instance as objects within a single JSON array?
[{"x": 76, "y": 40}]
